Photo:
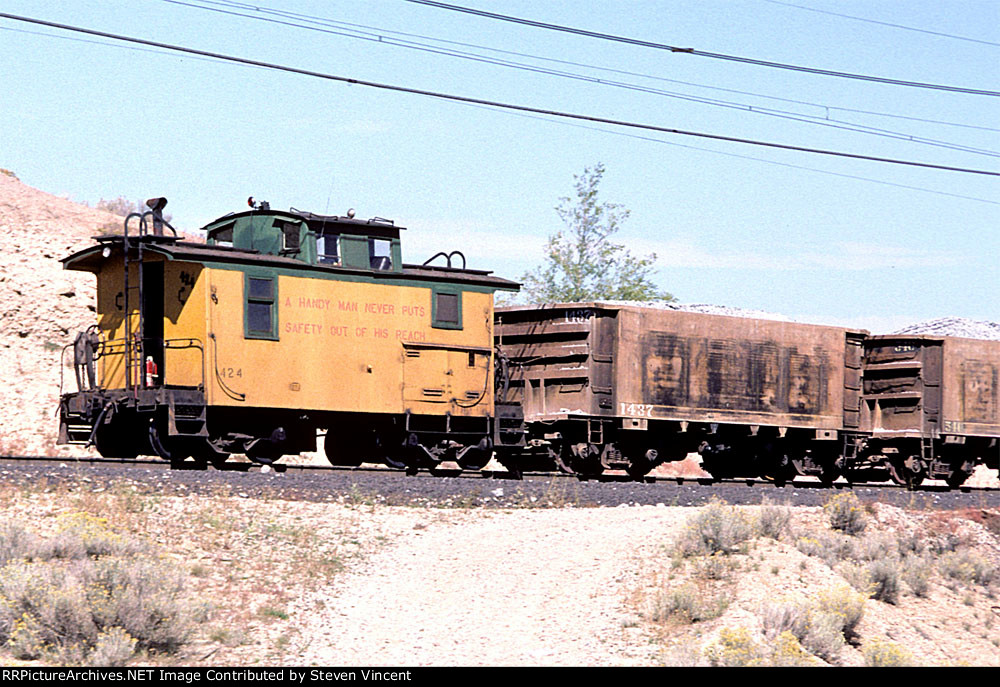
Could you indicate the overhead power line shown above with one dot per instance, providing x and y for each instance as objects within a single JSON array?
[
  {"x": 882, "y": 23},
  {"x": 365, "y": 28},
  {"x": 651, "y": 139},
  {"x": 332, "y": 27},
  {"x": 491, "y": 103},
  {"x": 700, "y": 53}
]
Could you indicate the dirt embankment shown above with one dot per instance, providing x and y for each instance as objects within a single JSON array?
[
  {"x": 355, "y": 582},
  {"x": 42, "y": 307}
]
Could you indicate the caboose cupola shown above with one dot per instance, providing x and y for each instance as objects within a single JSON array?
[{"x": 323, "y": 240}]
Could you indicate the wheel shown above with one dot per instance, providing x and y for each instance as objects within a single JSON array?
[
  {"x": 903, "y": 475},
  {"x": 959, "y": 473},
  {"x": 263, "y": 453},
  {"x": 113, "y": 441},
  {"x": 509, "y": 460},
  {"x": 829, "y": 468},
  {"x": 347, "y": 457},
  {"x": 586, "y": 460},
  {"x": 397, "y": 462},
  {"x": 171, "y": 450},
  {"x": 475, "y": 457},
  {"x": 206, "y": 453},
  {"x": 638, "y": 467},
  {"x": 782, "y": 469},
  {"x": 829, "y": 475},
  {"x": 561, "y": 462}
]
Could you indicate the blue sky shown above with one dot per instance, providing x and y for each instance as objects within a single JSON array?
[{"x": 815, "y": 238}]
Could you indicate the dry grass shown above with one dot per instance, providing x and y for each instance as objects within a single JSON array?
[{"x": 241, "y": 562}]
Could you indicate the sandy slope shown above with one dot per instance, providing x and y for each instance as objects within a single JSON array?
[{"x": 42, "y": 307}]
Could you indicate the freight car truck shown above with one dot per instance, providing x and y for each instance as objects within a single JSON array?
[{"x": 607, "y": 385}]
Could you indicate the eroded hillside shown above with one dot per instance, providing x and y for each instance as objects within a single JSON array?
[{"x": 43, "y": 306}]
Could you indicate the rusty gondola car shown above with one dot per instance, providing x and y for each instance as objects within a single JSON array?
[
  {"x": 608, "y": 385},
  {"x": 930, "y": 405}
]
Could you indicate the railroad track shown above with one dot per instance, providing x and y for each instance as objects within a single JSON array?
[{"x": 498, "y": 475}]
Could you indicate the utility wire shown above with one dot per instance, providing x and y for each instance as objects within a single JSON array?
[
  {"x": 560, "y": 122},
  {"x": 491, "y": 103},
  {"x": 652, "y": 139},
  {"x": 336, "y": 23},
  {"x": 882, "y": 23},
  {"x": 700, "y": 53},
  {"x": 765, "y": 111}
]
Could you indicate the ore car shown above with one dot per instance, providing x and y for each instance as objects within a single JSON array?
[
  {"x": 280, "y": 326},
  {"x": 606, "y": 385},
  {"x": 930, "y": 405}
]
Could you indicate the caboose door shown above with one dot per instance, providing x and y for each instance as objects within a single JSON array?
[{"x": 152, "y": 317}]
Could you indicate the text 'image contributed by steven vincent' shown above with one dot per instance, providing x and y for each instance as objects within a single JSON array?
[{"x": 190, "y": 675}]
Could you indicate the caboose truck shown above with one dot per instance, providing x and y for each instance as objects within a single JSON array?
[{"x": 282, "y": 325}]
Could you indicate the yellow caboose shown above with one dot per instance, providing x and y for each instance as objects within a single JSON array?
[{"x": 280, "y": 326}]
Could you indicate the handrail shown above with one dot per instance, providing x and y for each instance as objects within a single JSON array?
[
  {"x": 121, "y": 346},
  {"x": 447, "y": 257}
]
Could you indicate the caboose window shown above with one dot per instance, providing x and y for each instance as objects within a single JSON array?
[
  {"x": 446, "y": 308},
  {"x": 289, "y": 236},
  {"x": 261, "y": 320},
  {"x": 223, "y": 236},
  {"x": 328, "y": 249},
  {"x": 261, "y": 288},
  {"x": 380, "y": 254}
]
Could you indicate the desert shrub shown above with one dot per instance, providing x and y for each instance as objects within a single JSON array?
[
  {"x": 945, "y": 542},
  {"x": 735, "y": 648},
  {"x": 86, "y": 597},
  {"x": 143, "y": 597},
  {"x": 967, "y": 566},
  {"x": 819, "y": 627},
  {"x": 114, "y": 647},
  {"x": 15, "y": 542},
  {"x": 785, "y": 616},
  {"x": 909, "y": 543},
  {"x": 846, "y": 513},
  {"x": 916, "y": 573},
  {"x": 47, "y": 607},
  {"x": 25, "y": 640},
  {"x": 682, "y": 655},
  {"x": 884, "y": 576},
  {"x": 717, "y": 528},
  {"x": 81, "y": 534},
  {"x": 773, "y": 521},
  {"x": 856, "y": 575},
  {"x": 824, "y": 637},
  {"x": 816, "y": 631},
  {"x": 876, "y": 546},
  {"x": 846, "y": 605},
  {"x": 831, "y": 547},
  {"x": 687, "y": 604},
  {"x": 715, "y": 567},
  {"x": 881, "y": 654},
  {"x": 877, "y": 579},
  {"x": 788, "y": 651}
]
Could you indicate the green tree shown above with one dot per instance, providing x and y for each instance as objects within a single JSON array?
[{"x": 581, "y": 261}]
